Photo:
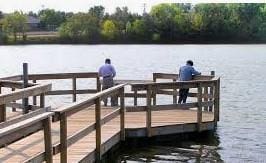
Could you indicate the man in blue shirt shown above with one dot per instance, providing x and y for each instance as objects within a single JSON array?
[
  {"x": 186, "y": 73},
  {"x": 107, "y": 72}
]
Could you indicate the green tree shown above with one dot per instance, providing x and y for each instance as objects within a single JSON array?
[
  {"x": 169, "y": 20},
  {"x": 80, "y": 27},
  {"x": 51, "y": 19},
  {"x": 98, "y": 12},
  {"x": 109, "y": 30},
  {"x": 15, "y": 24}
]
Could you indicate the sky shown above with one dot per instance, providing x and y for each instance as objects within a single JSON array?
[{"x": 137, "y": 6}]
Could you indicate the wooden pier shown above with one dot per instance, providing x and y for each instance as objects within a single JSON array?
[{"x": 84, "y": 130}]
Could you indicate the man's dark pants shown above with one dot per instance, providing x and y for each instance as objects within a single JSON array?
[
  {"x": 183, "y": 93},
  {"x": 108, "y": 82}
]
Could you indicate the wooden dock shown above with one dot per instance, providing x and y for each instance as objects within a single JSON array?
[{"x": 83, "y": 131}]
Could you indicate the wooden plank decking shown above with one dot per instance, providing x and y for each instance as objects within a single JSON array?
[{"x": 135, "y": 121}]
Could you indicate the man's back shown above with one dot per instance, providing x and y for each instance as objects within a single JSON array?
[
  {"x": 107, "y": 70},
  {"x": 186, "y": 73}
]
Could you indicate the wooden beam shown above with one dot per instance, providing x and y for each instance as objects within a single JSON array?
[
  {"x": 66, "y": 92},
  {"x": 24, "y": 93},
  {"x": 98, "y": 129},
  {"x": 211, "y": 92},
  {"x": 48, "y": 140},
  {"x": 2, "y": 113},
  {"x": 74, "y": 88},
  {"x": 135, "y": 97},
  {"x": 122, "y": 114},
  {"x": 174, "y": 93},
  {"x": 110, "y": 116},
  {"x": 63, "y": 137},
  {"x": 25, "y": 101},
  {"x": 148, "y": 112},
  {"x": 199, "y": 111},
  {"x": 63, "y": 76}
]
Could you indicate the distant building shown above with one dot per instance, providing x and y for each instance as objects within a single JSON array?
[{"x": 33, "y": 23}]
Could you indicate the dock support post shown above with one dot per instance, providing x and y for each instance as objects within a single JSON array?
[
  {"x": 98, "y": 129},
  {"x": 25, "y": 101},
  {"x": 13, "y": 109},
  {"x": 135, "y": 97},
  {"x": 154, "y": 92},
  {"x": 211, "y": 92},
  {"x": 174, "y": 94},
  {"x": 205, "y": 97},
  {"x": 148, "y": 112},
  {"x": 98, "y": 84},
  {"x": 63, "y": 137},
  {"x": 217, "y": 101},
  {"x": 2, "y": 110},
  {"x": 199, "y": 111},
  {"x": 2, "y": 113},
  {"x": 34, "y": 98},
  {"x": 48, "y": 140},
  {"x": 74, "y": 88},
  {"x": 122, "y": 114},
  {"x": 42, "y": 100}
]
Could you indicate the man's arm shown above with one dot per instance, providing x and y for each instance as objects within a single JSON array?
[
  {"x": 100, "y": 72},
  {"x": 194, "y": 72},
  {"x": 113, "y": 71}
]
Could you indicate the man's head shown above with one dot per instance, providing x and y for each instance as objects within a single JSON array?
[
  {"x": 190, "y": 62},
  {"x": 108, "y": 61}
]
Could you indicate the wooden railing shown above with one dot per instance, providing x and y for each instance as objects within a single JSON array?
[
  {"x": 57, "y": 76},
  {"x": 72, "y": 76},
  {"x": 63, "y": 112},
  {"x": 25, "y": 125},
  {"x": 8, "y": 99},
  {"x": 209, "y": 98}
]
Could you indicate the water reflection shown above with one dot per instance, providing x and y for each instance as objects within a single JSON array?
[{"x": 199, "y": 148}]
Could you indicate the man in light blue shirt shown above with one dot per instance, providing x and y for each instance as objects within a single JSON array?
[
  {"x": 186, "y": 73},
  {"x": 107, "y": 72}
]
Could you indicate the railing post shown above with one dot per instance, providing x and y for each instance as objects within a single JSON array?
[
  {"x": 205, "y": 97},
  {"x": 25, "y": 101},
  {"x": 63, "y": 137},
  {"x": 211, "y": 92},
  {"x": 154, "y": 91},
  {"x": 135, "y": 97},
  {"x": 2, "y": 113},
  {"x": 48, "y": 140},
  {"x": 42, "y": 100},
  {"x": 98, "y": 84},
  {"x": 217, "y": 101},
  {"x": 199, "y": 111},
  {"x": 2, "y": 110},
  {"x": 13, "y": 109},
  {"x": 148, "y": 112},
  {"x": 122, "y": 114},
  {"x": 74, "y": 87},
  {"x": 34, "y": 98},
  {"x": 174, "y": 94},
  {"x": 98, "y": 129}
]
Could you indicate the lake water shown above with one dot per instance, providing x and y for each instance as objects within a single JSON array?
[{"x": 241, "y": 132}]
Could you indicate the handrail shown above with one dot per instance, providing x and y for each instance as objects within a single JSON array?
[
  {"x": 25, "y": 126},
  {"x": 24, "y": 93},
  {"x": 7, "y": 99},
  {"x": 63, "y": 112}
]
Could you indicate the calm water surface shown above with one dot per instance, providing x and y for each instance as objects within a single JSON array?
[{"x": 241, "y": 133}]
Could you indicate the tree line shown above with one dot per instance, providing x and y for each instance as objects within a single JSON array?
[{"x": 165, "y": 23}]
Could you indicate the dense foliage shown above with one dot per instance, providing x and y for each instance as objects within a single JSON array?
[{"x": 165, "y": 23}]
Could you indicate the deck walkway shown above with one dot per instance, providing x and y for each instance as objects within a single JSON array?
[
  {"x": 32, "y": 145},
  {"x": 84, "y": 130}
]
